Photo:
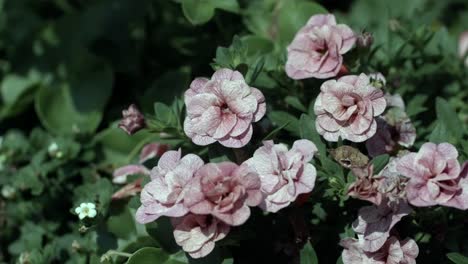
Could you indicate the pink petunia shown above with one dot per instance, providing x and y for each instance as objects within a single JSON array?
[
  {"x": 224, "y": 190},
  {"x": 375, "y": 222},
  {"x": 132, "y": 121},
  {"x": 284, "y": 173},
  {"x": 222, "y": 109},
  {"x": 435, "y": 177},
  {"x": 317, "y": 49},
  {"x": 197, "y": 234},
  {"x": 120, "y": 175},
  {"x": 152, "y": 150},
  {"x": 347, "y": 108},
  {"x": 393, "y": 251},
  {"x": 165, "y": 193}
]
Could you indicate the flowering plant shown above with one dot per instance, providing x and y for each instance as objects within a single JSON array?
[{"x": 234, "y": 131}]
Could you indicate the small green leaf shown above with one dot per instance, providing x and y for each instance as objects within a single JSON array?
[
  {"x": 201, "y": 11},
  {"x": 308, "y": 131},
  {"x": 449, "y": 118},
  {"x": 161, "y": 231},
  {"x": 457, "y": 258},
  {"x": 379, "y": 162},
  {"x": 308, "y": 255},
  {"x": 295, "y": 102},
  {"x": 280, "y": 118}
]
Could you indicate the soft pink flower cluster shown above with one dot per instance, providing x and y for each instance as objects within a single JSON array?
[
  {"x": 317, "y": 49},
  {"x": 205, "y": 200},
  {"x": 347, "y": 108},
  {"x": 222, "y": 109},
  {"x": 435, "y": 176}
]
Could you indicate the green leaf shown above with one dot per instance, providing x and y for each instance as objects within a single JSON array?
[
  {"x": 308, "y": 255},
  {"x": 295, "y": 102},
  {"x": 416, "y": 105},
  {"x": 14, "y": 86},
  {"x": 161, "y": 231},
  {"x": 308, "y": 131},
  {"x": 379, "y": 162},
  {"x": 449, "y": 118},
  {"x": 201, "y": 11},
  {"x": 280, "y": 118},
  {"x": 457, "y": 258},
  {"x": 151, "y": 255},
  {"x": 440, "y": 133},
  {"x": 294, "y": 15},
  {"x": 121, "y": 223}
]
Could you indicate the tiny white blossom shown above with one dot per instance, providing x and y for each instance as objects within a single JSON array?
[
  {"x": 86, "y": 210},
  {"x": 54, "y": 150}
]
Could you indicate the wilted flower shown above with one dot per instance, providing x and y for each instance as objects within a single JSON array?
[
  {"x": 346, "y": 108},
  {"x": 197, "y": 234},
  {"x": 222, "y": 109},
  {"x": 86, "y": 210},
  {"x": 377, "y": 80},
  {"x": 366, "y": 186},
  {"x": 463, "y": 46},
  {"x": 349, "y": 157},
  {"x": 388, "y": 137},
  {"x": 392, "y": 184},
  {"x": 165, "y": 193},
  {"x": 132, "y": 120},
  {"x": 224, "y": 190},
  {"x": 435, "y": 177},
  {"x": 392, "y": 252},
  {"x": 284, "y": 173},
  {"x": 375, "y": 222},
  {"x": 317, "y": 49},
  {"x": 365, "y": 40},
  {"x": 130, "y": 189}
]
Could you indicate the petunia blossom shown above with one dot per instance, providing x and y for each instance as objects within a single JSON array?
[
  {"x": 347, "y": 108},
  {"x": 317, "y": 49},
  {"x": 197, "y": 234},
  {"x": 152, "y": 150},
  {"x": 366, "y": 185},
  {"x": 375, "y": 222},
  {"x": 165, "y": 193},
  {"x": 285, "y": 174},
  {"x": 224, "y": 190},
  {"x": 393, "y": 251},
  {"x": 435, "y": 177},
  {"x": 120, "y": 175},
  {"x": 132, "y": 121},
  {"x": 222, "y": 109}
]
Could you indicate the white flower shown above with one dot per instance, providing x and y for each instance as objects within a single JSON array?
[
  {"x": 54, "y": 150},
  {"x": 86, "y": 210}
]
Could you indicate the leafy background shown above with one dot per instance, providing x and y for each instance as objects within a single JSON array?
[{"x": 68, "y": 68}]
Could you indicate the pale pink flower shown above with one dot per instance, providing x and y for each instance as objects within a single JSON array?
[
  {"x": 224, "y": 190},
  {"x": 222, "y": 109},
  {"x": 152, "y": 150},
  {"x": 165, "y": 193},
  {"x": 435, "y": 177},
  {"x": 284, "y": 173},
  {"x": 197, "y": 234},
  {"x": 463, "y": 46},
  {"x": 392, "y": 252},
  {"x": 132, "y": 121},
  {"x": 375, "y": 222},
  {"x": 129, "y": 190},
  {"x": 317, "y": 49},
  {"x": 366, "y": 185},
  {"x": 347, "y": 108},
  {"x": 120, "y": 175}
]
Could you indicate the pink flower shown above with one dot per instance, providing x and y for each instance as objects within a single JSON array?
[
  {"x": 463, "y": 46},
  {"x": 375, "y": 222},
  {"x": 392, "y": 252},
  {"x": 284, "y": 173},
  {"x": 120, "y": 175},
  {"x": 132, "y": 120},
  {"x": 435, "y": 177},
  {"x": 317, "y": 49},
  {"x": 197, "y": 234},
  {"x": 130, "y": 189},
  {"x": 222, "y": 109},
  {"x": 392, "y": 185},
  {"x": 165, "y": 193},
  {"x": 152, "y": 150},
  {"x": 224, "y": 190},
  {"x": 366, "y": 185},
  {"x": 346, "y": 108}
]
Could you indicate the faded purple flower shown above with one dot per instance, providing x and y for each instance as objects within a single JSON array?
[
  {"x": 392, "y": 252},
  {"x": 222, "y": 109},
  {"x": 365, "y": 40},
  {"x": 435, "y": 177},
  {"x": 132, "y": 120},
  {"x": 347, "y": 108},
  {"x": 375, "y": 222},
  {"x": 197, "y": 234},
  {"x": 165, "y": 193},
  {"x": 284, "y": 173},
  {"x": 366, "y": 185},
  {"x": 224, "y": 190},
  {"x": 317, "y": 49}
]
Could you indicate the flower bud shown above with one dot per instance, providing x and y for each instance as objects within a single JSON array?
[
  {"x": 365, "y": 40},
  {"x": 133, "y": 120}
]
